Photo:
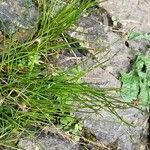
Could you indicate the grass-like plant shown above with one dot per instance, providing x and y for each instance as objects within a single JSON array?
[{"x": 31, "y": 94}]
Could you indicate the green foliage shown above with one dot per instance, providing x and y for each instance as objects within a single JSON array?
[
  {"x": 139, "y": 36},
  {"x": 136, "y": 83},
  {"x": 130, "y": 86},
  {"x": 31, "y": 94},
  {"x": 71, "y": 124}
]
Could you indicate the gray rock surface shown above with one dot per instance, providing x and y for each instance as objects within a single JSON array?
[
  {"x": 130, "y": 14},
  {"x": 108, "y": 129},
  {"x": 102, "y": 78},
  {"x": 18, "y": 18},
  {"x": 55, "y": 143},
  {"x": 27, "y": 144},
  {"x": 105, "y": 45},
  {"x": 47, "y": 142},
  {"x": 133, "y": 14}
]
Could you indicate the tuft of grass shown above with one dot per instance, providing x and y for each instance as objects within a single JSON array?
[{"x": 31, "y": 94}]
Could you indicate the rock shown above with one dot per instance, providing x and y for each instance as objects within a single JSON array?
[
  {"x": 132, "y": 14},
  {"x": 109, "y": 48},
  {"x": 56, "y": 143},
  {"x": 27, "y": 144},
  {"x": 47, "y": 142},
  {"x": 106, "y": 46},
  {"x": 108, "y": 129},
  {"x": 18, "y": 17},
  {"x": 101, "y": 78}
]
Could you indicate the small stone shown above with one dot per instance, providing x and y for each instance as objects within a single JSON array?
[{"x": 27, "y": 144}]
